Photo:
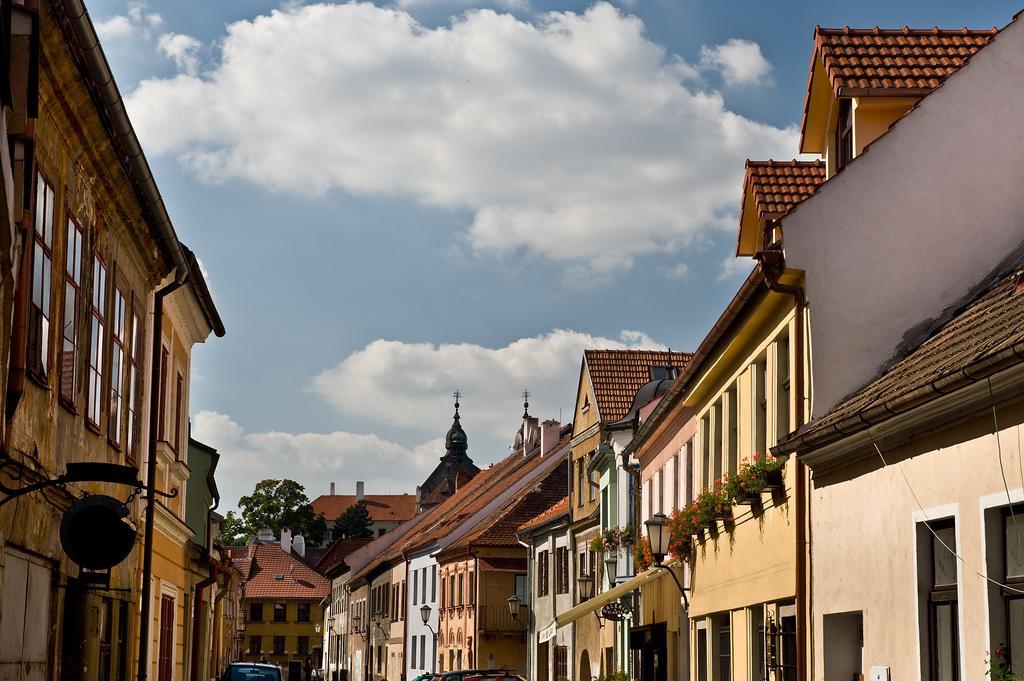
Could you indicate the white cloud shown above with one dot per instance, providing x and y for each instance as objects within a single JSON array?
[
  {"x": 732, "y": 268},
  {"x": 409, "y": 384},
  {"x": 455, "y": 4},
  {"x": 183, "y": 49},
  {"x": 571, "y": 136},
  {"x": 739, "y": 61},
  {"x": 313, "y": 459},
  {"x": 678, "y": 271},
  {"x": 136, "y": 22}
]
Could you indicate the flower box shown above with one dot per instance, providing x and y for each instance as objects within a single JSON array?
[
  {"x": 748, "y": 499},
  {"x": 773, "y": 481}
]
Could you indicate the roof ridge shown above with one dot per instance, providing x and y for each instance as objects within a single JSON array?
[{"x": 905, "y": 30}]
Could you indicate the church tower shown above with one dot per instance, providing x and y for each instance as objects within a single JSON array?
[{"x": 454, "y": 470}]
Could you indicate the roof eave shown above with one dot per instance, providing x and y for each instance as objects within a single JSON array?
[
  {"x": 806, "y": 441},
  {"x": 733, "y": 311}
]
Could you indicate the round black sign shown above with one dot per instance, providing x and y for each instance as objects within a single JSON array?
[
  {"x": 94, "y": 533},
  {"x": 615, "y": 611}
]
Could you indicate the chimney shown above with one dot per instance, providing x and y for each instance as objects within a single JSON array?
[
  {"x": 265, "y": 534},
  {"x": 549, "y": 435},
  {"x": 299, "y": 545},
  {"x": 359, "y": 491},
  {"x": 286, "y": 540},
  {"x": 332, "y": 489}
]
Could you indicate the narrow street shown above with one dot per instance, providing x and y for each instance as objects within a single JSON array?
[{"x": 511, "y": 341}]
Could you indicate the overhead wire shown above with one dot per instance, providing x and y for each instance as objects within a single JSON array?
[
  {"x": 927, "y": 524},
  {"x": 1002, "y": 472}
]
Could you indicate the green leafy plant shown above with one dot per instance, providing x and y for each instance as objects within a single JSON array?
[
  {"x": 999, "y": 666},
  {"x": 597, "y": 545},
  {"x": 713, "y": 503}
]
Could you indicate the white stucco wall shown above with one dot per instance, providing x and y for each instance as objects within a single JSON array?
[
  {"x": 413, "y": 620},
  {"x": 909, "y": 227},
  {"x": 546, "y": 608},
  {"x": 864, "y": 542}
]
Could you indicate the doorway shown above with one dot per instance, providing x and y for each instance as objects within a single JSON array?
[
  {"x": 294, "y": 670},
  {"x": 648, "y": 647}
]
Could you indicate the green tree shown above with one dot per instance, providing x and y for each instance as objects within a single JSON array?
[
  {"x": 233, "y": 531},
  {"x": 277, "y": 504},
  {"x": 354, "y": 523}
]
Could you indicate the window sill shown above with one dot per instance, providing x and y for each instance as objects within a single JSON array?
[
  {"x": 93, "y": 427},
  {"x": 69, "y": 405},
  {"x": 39, "y": 379},
  {"x": 114, "y": 443}
]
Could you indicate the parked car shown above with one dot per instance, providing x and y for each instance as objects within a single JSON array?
[
  {"x": 480, "y": 675},
  {"x": 429, "y": 676},
  {"x": 251, "y": 671},
  {"x": 494, "y": 675}
]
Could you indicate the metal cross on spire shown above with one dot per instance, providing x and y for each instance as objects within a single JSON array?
[
  {"x": 526, "y": 404},
  {"x": 457, "y": 395}
]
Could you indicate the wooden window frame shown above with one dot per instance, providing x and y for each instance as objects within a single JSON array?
[
  {"x": 133, "y": 389},
  {"x": 309, "y": 612},
  {"x": 165, "y": 356},
  {"x": 942, "y": 596},
  {"x": 74, "y": 252},
  {"x": 179, "y": 406},
  {"x": 97, "y": 343},
  {"x": 118, "y": 368},
  {"x": 278, "y": 645},
  {"x": 283, "y": 610},
  {"x": 41, "y": 275},
  {"x": 844, "y": 133}
]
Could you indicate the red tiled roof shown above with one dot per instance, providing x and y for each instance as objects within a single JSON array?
[
  {"x": 895, "y": 58},
  {"x": 298, "y": 579},
  {"x": 559, "y": 508},
  {"x": 499, "y": 529},
  {"x": 991, "y": 324},
  {"x": 616, "y": 375},
  {"x": 777, "y": 186},
  {"x": 439, "y": 521},
  {"x": 382, "y": 507},
  {"x": 337, "y": 552},
  {"x": 907, "y": 59}
]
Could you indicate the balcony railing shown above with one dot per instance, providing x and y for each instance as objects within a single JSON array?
[{"x": 497, "y": 618}]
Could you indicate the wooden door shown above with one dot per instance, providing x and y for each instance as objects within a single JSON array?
[
  {"x": 165, "y": 655},
  {"x": 24, "y": 618}
]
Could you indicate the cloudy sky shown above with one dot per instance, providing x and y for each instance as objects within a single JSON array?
[{"x": 396, "y": 199}]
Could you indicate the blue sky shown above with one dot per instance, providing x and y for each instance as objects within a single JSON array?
[{"x": 396, "y": 200}]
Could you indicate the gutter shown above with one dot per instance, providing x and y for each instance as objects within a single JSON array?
[
  {"x": 125, "y": 140},
  {"x": 811, "y": 440}
]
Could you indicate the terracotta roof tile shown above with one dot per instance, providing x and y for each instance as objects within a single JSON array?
[
  {"x": 438, "y": 522},
  {"x": 382, "y": 507},
  {"x": 337, "y": 552},
  {"x": 559, "y": 508},
  {"x": 298, "y": 579},
  {"x": 911, "y": 59},
  {"x": 777, "y": 186},
  {"x": 992, "y": 323},
  {"x": 616, "y": 375},
  {"x": 499, "y": 529}
]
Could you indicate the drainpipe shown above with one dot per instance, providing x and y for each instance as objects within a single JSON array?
[
  {"x": 197, "y": 612},
  {"x": 19, "y": 332},
  {"x": 154, "y": 421},
  {"x": 772, "y": 264}
]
